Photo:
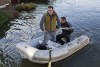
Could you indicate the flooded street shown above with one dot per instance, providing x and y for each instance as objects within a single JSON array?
[{"x": 84, "y": 15}]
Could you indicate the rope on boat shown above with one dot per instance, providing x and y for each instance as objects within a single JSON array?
[{"x": 49, "y": 65}]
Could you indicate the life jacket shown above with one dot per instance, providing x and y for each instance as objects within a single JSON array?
[{"x": 50, "y": 22}]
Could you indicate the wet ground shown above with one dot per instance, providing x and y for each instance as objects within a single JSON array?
[{"x": 84, "y": 15}]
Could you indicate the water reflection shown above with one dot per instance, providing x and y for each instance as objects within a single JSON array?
[{"x": 88, "y": 3}]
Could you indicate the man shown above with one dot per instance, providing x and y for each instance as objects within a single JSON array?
[
  {"x": 48, "y": 25},
  {"x": 66, "y": 31}
]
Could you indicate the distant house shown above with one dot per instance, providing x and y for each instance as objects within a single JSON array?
[{"x": 4, "y": 3}]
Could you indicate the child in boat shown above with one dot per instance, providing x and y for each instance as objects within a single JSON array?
[{"x": 66, "y": 31}]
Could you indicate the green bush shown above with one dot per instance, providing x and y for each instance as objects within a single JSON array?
[
  {"x": 26, "y": 7},
  {"x": 12, "y": 13},
  {"x": 4, "y": 18}
]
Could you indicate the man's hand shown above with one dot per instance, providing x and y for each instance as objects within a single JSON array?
[
  {"x": 45, "y": 30},
  {"x": 66, "y": 28},
  {"x": 55, "y": 29}
]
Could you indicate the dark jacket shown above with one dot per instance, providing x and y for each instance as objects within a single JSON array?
[{"x": 68, "y": 25}]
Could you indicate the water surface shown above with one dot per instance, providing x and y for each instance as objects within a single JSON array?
[{"x": 84, "y": 15}]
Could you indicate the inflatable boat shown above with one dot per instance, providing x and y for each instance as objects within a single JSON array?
[{"x": 28, "y": 50}]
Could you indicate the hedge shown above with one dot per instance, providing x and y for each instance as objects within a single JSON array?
[
  {"x": 26, "y": 7},
  {"x": 7, "y": 14},
  {"x": 4, "y": 18}
]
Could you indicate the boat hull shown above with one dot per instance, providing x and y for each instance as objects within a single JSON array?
[{"x": 29, "y": 51}]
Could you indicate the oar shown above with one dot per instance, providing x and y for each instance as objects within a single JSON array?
[{"x": 49, "y": 65}]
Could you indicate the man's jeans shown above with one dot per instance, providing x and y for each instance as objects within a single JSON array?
[{"x": 51, "y": 35}]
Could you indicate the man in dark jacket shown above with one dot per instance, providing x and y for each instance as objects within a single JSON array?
[{"x": 66, "y": 31}]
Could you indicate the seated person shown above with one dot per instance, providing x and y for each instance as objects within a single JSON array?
[{"x": 66, "y": 31}]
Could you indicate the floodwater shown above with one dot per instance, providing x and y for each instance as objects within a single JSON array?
[{"x": 84, "y": 15}]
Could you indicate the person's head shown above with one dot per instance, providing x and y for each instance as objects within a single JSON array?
[
  {"x": 50, "y": 10},
  {"x": 63, "y": 19}
]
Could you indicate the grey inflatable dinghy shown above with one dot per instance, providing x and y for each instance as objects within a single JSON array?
[{"x": 29, "y": 51}]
